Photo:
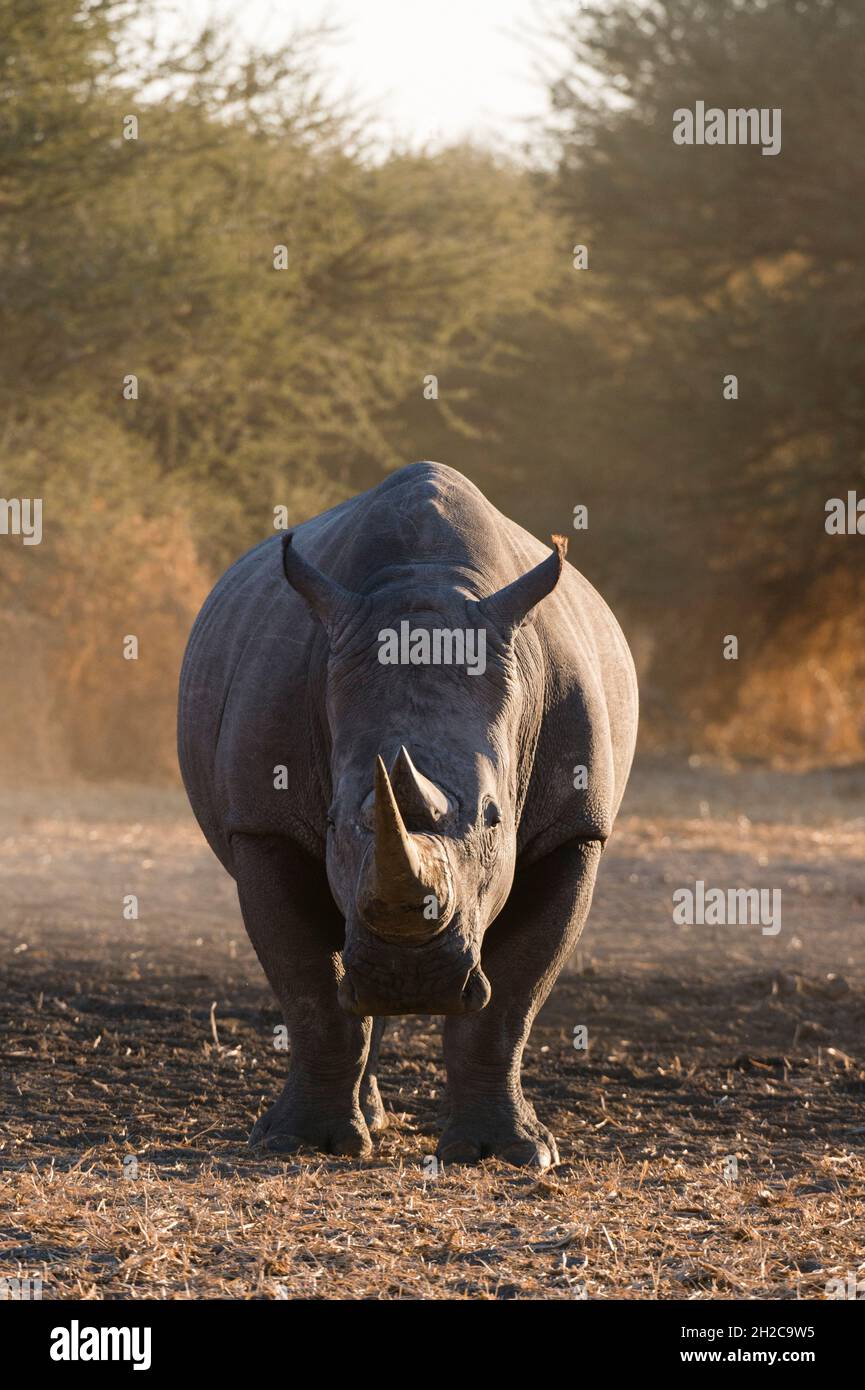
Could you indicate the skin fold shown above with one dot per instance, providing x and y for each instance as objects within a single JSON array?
[{"x": 408, "y": 837}]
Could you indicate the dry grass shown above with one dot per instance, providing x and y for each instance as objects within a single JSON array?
[{"x": 668, "y": 1228}]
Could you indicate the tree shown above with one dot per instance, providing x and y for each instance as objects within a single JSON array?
[{"x": 718, "y": 260}]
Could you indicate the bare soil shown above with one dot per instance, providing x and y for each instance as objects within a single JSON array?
[{"x": 137, "y": 1054}]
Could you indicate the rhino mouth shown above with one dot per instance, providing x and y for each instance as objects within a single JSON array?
[{"x": 380, "y": 996}]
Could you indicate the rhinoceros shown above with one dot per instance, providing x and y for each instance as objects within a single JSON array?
[{"x": 405, "y": 728}]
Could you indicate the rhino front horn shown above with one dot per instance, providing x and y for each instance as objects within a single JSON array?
[{"x": 405, "y": 892}]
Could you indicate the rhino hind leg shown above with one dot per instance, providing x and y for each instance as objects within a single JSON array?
[
  {"x": 297, "y": 934},
  {"x": 371, "y": 1103},
  {"x": 524, "y": 951}
]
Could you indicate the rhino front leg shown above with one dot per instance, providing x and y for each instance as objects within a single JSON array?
[
  {"x": 297, "y": 933},
  {"x": 523, "y": 953}
]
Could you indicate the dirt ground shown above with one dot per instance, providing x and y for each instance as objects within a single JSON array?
[{"x": 137, "y": 1054}]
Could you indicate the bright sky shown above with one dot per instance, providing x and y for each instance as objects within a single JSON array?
[{"x": 432, "y": 69}]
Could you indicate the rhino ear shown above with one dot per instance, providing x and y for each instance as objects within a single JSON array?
[
  {"x": 509, "y": 608},
  {"x": 329, "y": 601}
]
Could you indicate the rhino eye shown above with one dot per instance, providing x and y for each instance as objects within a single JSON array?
[{"x": 492, "y": 815}]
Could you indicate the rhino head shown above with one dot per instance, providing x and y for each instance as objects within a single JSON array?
[{"x": 428, "y": 776}]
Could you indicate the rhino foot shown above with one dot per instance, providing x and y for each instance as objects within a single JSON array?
[
  {"x": 522, "y": 1140},
  {"x": 289, "y": 1126}
]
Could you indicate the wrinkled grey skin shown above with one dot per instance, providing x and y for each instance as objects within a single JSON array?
[{"x": 273, "y": 677}]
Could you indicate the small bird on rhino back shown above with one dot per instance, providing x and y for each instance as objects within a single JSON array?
[{"x": 380, "y": 717}]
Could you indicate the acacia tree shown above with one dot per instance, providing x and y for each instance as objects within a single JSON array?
[
  {"x": 262, "y": 378},
  {"x": 718, "y": 260},
  {"x": 727, "y": 261}
]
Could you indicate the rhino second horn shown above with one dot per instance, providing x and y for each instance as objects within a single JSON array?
[
  {"x": 400, "y": 875},
  {"x": 417, "y": 797}
]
